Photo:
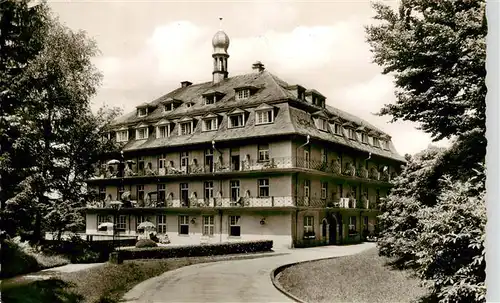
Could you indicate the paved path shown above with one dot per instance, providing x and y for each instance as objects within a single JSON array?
[{"x": 230, "y": 281}]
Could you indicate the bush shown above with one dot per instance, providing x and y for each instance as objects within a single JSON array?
[
  {"x": 15, "y": 261},
  {"x": 145, "y": 243},
  {"x": 196, "y": 250}
]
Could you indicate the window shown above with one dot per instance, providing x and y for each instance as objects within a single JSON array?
[
  {"x": 122, "y": 136},
  {"x": 236, "y": 121},
  {"x": 161, "y": 222},
  {"x": 102, "y": 219},
  {"x": 141, "y": 112},
  {"x": 307, "y": 187},
  {"x": 264, "y": 116},
  {"x": 208, "y": 226},
  {"x": 189, "y": 104},
  {"x": 385, "y": 144},
  {"x": 263, "y": 187},
  {"x": 121, "y": 190},
  {"x": 163, "y": 131},
  {"x": 308, "y": 225},
  {"x": 324, "y": 190},
  {"x": 263, "y": 152},
  {"x": 139, "y": 220},
  {"x": 102, "y": 193},
  {"x": 209, "y": 100},
  {"x": 376, "y": 142},
  {"x": 322, "y": 124},
  {"x": 121, "y": 224},
  {"x": 209, "y": 189},
  {"x": 234, "y": 226},
  {"x": 210, "y": 124},
  {"x": 184, "y": 189},
  {"x": 186, "y": 128},
  {"x": 352, "y": 224},
  {"x": 140, "y": 192},
  {"x": 242, "y": 94},
  {"x": 337, "y": 129},
  {"x": 141, "y": 133},
  {"x": 161, "y": 192},
  {"x": 184, "y": 159},
  {"x": 364, "y": 138},
  {"x": 184, "y": 225},
  {"x": 306, "y": 158},
  {"x": 365, "y": 222},
  {"x": 324, "y": 158},
  {"x": 235, "y": 190},
  {"x": 352, "y": 134}
]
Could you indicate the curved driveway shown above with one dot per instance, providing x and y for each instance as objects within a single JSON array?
[{"x": 230, "y": 281}]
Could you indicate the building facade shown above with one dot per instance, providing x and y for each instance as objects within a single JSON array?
[{"x": 242, "y": 158}]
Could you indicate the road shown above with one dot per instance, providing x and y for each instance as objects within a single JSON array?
[{"x": 230, "y": 281}]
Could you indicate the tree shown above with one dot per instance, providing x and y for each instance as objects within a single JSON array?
[
  {"x": 57, "y": 137},
  {"x": 21, "y": 39},
  {"x": 433, "y": 221},
  {"x": 436, "y": 52}
]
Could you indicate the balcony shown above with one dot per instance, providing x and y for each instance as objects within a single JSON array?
[
  {"x": 243, "y": 202},
  {"x": 333, "y": 167}
]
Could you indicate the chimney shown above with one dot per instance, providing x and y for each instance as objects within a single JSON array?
[
  {"x": 258, "y": 67},
  {"x": 185, "y": 83}
]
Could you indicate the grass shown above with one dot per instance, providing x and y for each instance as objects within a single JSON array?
[
  {"x": 107, "y": 283},
  {"x": 364, "y": 277}
]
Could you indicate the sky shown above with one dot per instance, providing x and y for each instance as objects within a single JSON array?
[{"x": 148, "y": 47}]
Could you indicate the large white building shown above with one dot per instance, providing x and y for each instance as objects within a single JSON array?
[{"x": 244, "y": 158}]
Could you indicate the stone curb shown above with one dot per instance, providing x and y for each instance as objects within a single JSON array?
[{"x": 275, "y": 272}]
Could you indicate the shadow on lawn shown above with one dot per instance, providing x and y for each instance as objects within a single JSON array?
[{"x": 50, "y": 290}]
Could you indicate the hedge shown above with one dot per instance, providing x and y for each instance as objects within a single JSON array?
[{"x": 163, "y": 252}]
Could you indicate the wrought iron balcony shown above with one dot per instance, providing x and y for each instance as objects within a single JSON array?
[
  {"x": 247, "y": 165},
  {"x": 244, "y": 202}
]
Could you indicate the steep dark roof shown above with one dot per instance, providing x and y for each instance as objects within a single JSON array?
[{"x": 270, "y": 90}]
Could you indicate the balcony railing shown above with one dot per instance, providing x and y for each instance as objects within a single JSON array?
[
  {"x": 249, "y": 165},
  {"x": 244, "y": 202}
]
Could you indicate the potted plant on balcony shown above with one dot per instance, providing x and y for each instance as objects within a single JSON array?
[
  {"x": 374, "y": 174},
  {"x": 363, "y": 172},
  {"x": 385, "y": 175},
  {"x": 336, "y": 167},
  {"x": 363, "y": 202}
]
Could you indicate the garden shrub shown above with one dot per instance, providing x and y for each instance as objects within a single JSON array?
[
  {"x": 196, "y": 250},
  {"x": 145, "y": 243}
]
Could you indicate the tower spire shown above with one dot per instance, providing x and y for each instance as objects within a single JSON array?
[{"x": 220, "y": 42}]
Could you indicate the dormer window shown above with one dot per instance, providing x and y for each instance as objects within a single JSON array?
[
  {"x": 265, "y": 117},
  {"x": 236, "y": 121},
  {"x": 385, "y": 144},
  {"x": 264, "y": 114},
  {"x": 212, "y": 96},
  {"x": 236, "y": 118},
  {"x": 141, "y": 133},
  {"x": 169, "y": 107},
  {"x": 242, "y": 94},
  {"x": 122, "y": 135},
  {"x": 315, "y": 98},
  {"x": 376, "y": 142},
  {"x": 322, "y": 124},
  {"x": 351, "y": 134},
  {"x": 186, "y": 128},
  {"x": 337, "y": 129},
  {"x": 189, "y": 104},
  {"x": 364, "y": 138},
  {"x": 142, "y": 112},
  {"x": 163, "y": 129},
  {"x": 210, "y": 124},
  {"x": 209, "y": 100}
]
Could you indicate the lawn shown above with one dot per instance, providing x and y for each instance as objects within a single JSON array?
[
  {"x": 362, "y": 278},
  {"x": 107, "y": 283}
]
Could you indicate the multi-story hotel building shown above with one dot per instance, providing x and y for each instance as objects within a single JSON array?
[{"x": 244, "y": 158}]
